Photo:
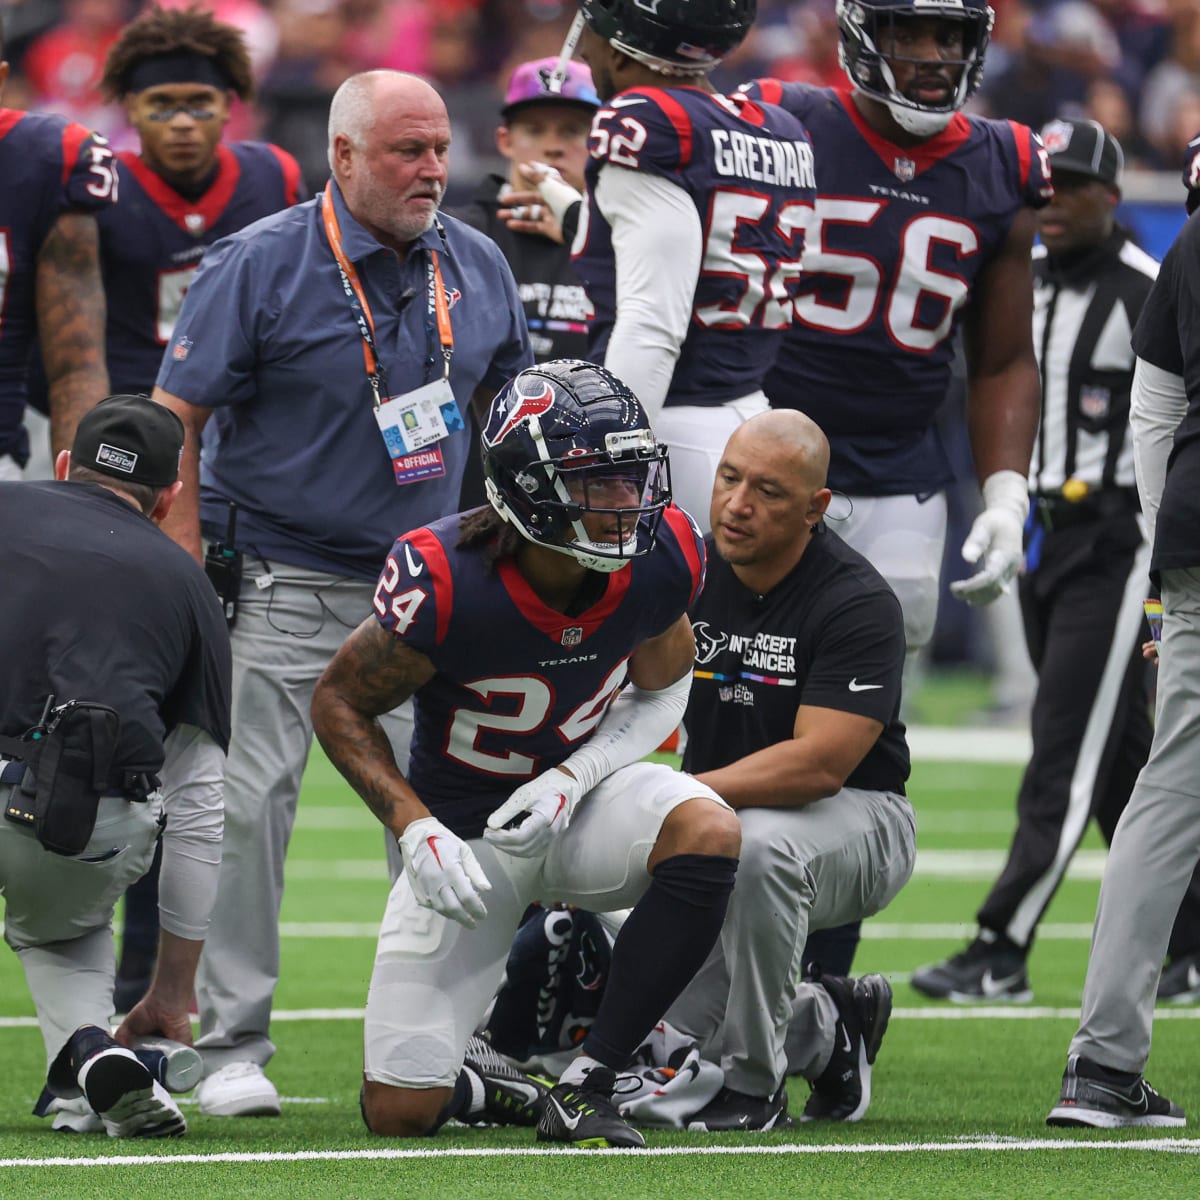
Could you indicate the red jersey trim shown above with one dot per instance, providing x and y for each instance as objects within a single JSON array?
[
  {"x": 685, "y": 535},
  {"x": 73, "y": 137},
  {"x": 549, "y": 620},
  {"x": 291, "y": 174},
  {"x": 210, "y": 206},
  {"x": 1024, "y": 152},
  {"x": 433, "y": 555},
  {"x": 10, "y": 118},
  {"x": 676, "y": 114},
  {"x": 927, "y": 154},
  {"x": 770, "y": 90}
]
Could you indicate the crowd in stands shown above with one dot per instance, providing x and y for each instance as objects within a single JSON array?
[{"x": 1133, "y": 65}]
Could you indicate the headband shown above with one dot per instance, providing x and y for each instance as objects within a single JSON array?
[{"x": 184, "y": 66}]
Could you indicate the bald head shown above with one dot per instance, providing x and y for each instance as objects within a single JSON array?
[
  {"x": 389, "y": 140},
  {"x": 357, "y": 104},
  {"x": 795, "y": 439}
]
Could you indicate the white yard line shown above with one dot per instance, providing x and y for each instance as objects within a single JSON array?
[{"x": 958, "y": 1145}]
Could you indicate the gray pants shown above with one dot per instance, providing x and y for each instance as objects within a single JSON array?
[
  {"x": 284, "y": 638},
  {"x": 58, "y": 911},
  {"x": 834, "y": 861},
  {"x": 1154, "y": 851}
]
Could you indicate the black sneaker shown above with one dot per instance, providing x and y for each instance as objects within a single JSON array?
[
  {"x": 1096, "y": 1098},
  {"x": 121, "y": 1091},
  {"x": 989, "y": 972},
  {"x": 735, "y": 1112},
  {"x": 509, "y": 1097},
  {"x": 583, "y": 1114},
  {"x": 843, "y": 1090},
  {"x": 1180, "y": 982}
]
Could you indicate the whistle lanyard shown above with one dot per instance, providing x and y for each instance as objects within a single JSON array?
[{"x": 437, "y": 306}]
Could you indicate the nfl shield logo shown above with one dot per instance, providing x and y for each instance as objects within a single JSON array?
[
  {"x": 179, "y": 351},
  {"x": 195, "y": 223},
  {"x": 1094, "y": 402},
  {"x": 905, "y": 169},
  {"x": 572, "y": 636}
]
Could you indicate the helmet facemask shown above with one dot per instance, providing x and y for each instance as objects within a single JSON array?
[
  {"x": 862, "y": 25},
  {"x": 615, "y": 480}
]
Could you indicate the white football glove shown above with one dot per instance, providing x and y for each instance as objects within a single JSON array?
[
  {"x": 558, "y": 194},
  {"x": 548, "y": 802},
  {"x": 996, "y": 538},
  {"x": 444, "y": 872}
]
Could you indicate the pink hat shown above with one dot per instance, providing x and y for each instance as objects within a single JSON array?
[{"x": 528, "y": 85}]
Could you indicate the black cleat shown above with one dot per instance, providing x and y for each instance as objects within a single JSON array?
[
  {"x": 986, "y": 972},
  {"x": 583, "y": 1114},
  {"x": 1096, "y": 1098},
  {"x": 843, "y": 1090},
  {"x": 1180, "y": 982},
  {"x": 736, "y": 1112},
  {"x": 509, "y": 1097}
]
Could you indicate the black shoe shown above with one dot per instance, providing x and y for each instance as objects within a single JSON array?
[
  {"x": 843, "y": 1090},
  {"x": 1180, "y": 982},
  {"x": 735, "y": 1112},
  {"x": 509, "y": 1097},
  {"x": 985, "y": 972},
  {"x": 583, "y": 1114},
  {"x": 121, "y": 1091},
  {"x": 1096, "y": 1098}
]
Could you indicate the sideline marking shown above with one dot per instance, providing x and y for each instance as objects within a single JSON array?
[
  {"x": 934, "y": 1012},
  {"x": 1161, "y": 1145}
]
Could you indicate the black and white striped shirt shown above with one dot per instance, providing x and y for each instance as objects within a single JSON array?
[{"x": 1083, "y": 318}]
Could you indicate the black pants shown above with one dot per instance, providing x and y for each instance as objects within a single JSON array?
[{"x": 1091, "y": 719}]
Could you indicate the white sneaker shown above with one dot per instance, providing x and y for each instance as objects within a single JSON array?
[
  {"x": 127, "y": 1099},
  {"x": 74, "y": 1116},
  {"x": 239, "y": 1089}
]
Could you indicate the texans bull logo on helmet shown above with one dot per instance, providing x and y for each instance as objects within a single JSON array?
[{"x": 536, "y": 405}]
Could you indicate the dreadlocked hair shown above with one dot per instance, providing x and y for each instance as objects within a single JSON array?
[
  {"x": 486, "y": 527},
  {"x": 174, "y": 31}
]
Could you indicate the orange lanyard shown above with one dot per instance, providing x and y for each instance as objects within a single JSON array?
[{"x": 438, "y": 306}]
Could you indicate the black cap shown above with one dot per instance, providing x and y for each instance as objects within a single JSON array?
[
  {"x": 130, "y": 438},
  {"x": 1191, "y": 173},
  {"x": 1084, "y": 148}
]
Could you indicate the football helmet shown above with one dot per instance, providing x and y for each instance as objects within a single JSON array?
[
  {"x": 566, "y": 440},
  {"x": 677, "y": 37},
  {"x": 860, "y": 25}
]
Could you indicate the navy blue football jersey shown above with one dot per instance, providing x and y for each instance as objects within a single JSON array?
[
  {"x": 519, "y": 685},
  {"x": 153, "y": 240},
  {"x": 893, "y": 248},
  {"x": 748, "y": 169},
  {"x": 48, "y": 166}
]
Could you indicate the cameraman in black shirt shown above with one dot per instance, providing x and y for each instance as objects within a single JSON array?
[{"x": 116, "y": 675}]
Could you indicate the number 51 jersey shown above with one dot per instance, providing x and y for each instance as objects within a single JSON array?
[
  {"x": 519, "y": 685},
  {"x": 748, "y": 169},
  {"x": 897, "y": 242},
  {"x": 153, "y": 240}
]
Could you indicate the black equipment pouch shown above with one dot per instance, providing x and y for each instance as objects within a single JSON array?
[
  {"x": 69, "y": 766},
  {"x": 223, "y": 563}
]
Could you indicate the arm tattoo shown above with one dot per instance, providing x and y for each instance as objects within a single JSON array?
[
  {"x": 70, "y": 316},
  {"x": 371, "y": 674}
]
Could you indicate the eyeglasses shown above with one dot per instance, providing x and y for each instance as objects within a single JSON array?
[{"x": 169, "y": 114}]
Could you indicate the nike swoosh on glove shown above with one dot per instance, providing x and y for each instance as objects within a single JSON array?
[
  {"x": 545, "y": 805},
  {"x": 444, "y": 873},
  {"x": 996, "y": 539}
]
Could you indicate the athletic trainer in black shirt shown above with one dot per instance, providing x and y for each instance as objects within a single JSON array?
[
  {"x": 101, "y": 608},
  {"x": 793, "y": 720}
]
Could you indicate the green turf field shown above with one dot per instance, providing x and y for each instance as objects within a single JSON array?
[{"x": 959, "y": 1094}]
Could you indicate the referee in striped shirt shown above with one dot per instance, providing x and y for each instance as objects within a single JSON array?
[{"x": 1086, "y": 574}]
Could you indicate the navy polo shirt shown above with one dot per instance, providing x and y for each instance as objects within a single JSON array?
[{"x": 267, "y": 338}]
